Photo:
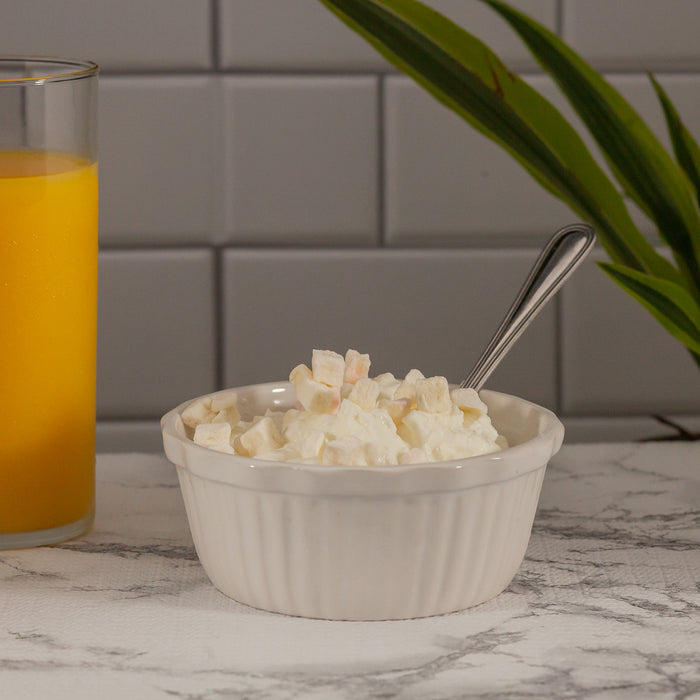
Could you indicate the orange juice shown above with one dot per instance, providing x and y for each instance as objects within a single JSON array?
[{"x": 48, "y": 313}]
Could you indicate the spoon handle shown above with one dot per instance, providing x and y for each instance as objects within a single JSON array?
[{"x": 560, "y": 257}]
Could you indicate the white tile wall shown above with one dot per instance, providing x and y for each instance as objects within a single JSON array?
[
  {"x": 448, "y": 184},
  {"x": 616, "y": 358},
  {"x": 128, "y": 436},
  {"x": 634, "y": 34},
  {"x": 425, "y": 309},
  {"x": 156, "y": 343},
  {"x": 636, "y": 88},
  {"x": 254, "y": 34},
  {"x": 269, "y": 184},
  {"x": 135, "y": 36},
  {"x": 488, "y": 26},
  {"x": 160, "y": 160},
  {"x": 628, "y": 428},
  {"x": 301, "y": 160}
]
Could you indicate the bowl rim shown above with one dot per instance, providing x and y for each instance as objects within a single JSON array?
[{"x": 553, "y": 433}]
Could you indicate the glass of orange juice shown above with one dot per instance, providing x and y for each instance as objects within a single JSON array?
[{"x": 48, "y": 299}]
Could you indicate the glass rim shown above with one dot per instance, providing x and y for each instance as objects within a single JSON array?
[{"x": 74, "y": 69}]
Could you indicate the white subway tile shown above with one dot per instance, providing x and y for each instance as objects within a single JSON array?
[
  {"x": 160, "y": 160},
  {"x": 289, "y": 35},
  {"x": 118, "y": 35},
  {"x": 625, "y": 428},
  {"x": 616, "y": 358},
  {"x": 156, "y": 331},
  {"x": 128, "y": 436},
  {"x": 446, "y": 183},
  {"x": 488, "y": 26},
  {"x": 684, "y": 91},
  {"x": 634, "y": 34},
  {"x": 301, "y": 160}
]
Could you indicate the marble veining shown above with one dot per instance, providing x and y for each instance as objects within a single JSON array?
[{"x": 605, "y": 605}]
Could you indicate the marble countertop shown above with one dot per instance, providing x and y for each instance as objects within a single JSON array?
[{"x": 605, "y": 605}]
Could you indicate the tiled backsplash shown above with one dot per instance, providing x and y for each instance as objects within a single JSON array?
[{"x": 269, "y": 184}]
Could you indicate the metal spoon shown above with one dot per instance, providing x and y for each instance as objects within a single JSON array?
[{"x": 560, "y": 257}]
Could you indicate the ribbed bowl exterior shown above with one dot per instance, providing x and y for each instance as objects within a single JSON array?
[{"x": 360, "y": 558}]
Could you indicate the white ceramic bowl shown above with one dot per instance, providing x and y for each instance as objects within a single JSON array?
[{"x": 364, "y": 543}]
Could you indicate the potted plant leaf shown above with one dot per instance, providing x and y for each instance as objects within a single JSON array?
[{"x": 465, "y": 75}]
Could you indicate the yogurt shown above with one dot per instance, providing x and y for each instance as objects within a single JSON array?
[{"x": 343, "y": 417}]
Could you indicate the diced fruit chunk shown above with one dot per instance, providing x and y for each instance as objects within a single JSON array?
[
  {"x": 365, "y": 394},
  {"x": 318, "y": 397},
  {"x": 345, "y": 451},
  {"x": 328, "y": 367},
  {"x": 356, "y": 366},
  {"x": 216, "y": 436},
  {"x": 433, "y": 395},
  {"x": 263, "y": 436}
]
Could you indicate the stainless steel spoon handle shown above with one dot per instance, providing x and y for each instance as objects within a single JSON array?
[{"x": 561, "y": 256}]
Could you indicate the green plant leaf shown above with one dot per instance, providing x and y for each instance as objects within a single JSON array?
[
  {"x": 643, "y": 167},
  {"x": 670, "y": 304},
  {"x": 466, "y": 76},
  {"x": 684, "y": 145}
]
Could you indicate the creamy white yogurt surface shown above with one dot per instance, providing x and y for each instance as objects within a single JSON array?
[{"x": 345, "y": 418}]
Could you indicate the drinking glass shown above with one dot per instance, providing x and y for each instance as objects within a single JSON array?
[{"x": 48, "y": 299}]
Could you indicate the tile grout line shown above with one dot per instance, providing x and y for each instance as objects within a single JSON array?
[
  {"x": 296, "y": 71},
  {"x": 218, "y": 310},
  {"x": 558, "y": 354},
  {"x": 558, "y": 302},
  {"x": 559, "y": 18},
  {"x": 607, "y": 68},
  {"x": 381, "y": 164},
  {"x": 503, "y": 243},
  {"x": 214, "y": 35}
]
